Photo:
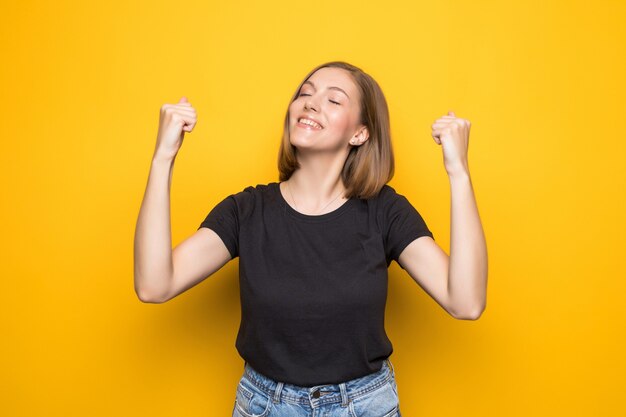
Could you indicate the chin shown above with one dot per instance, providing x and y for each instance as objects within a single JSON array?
[{"x": 301, "y": 141}]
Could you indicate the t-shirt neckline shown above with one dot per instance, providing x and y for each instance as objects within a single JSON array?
[{"x": 312, "y": 217}]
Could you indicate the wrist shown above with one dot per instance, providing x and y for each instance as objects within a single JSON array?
[
  {"x": 459, "y": 174},
  {"x": 161, "y": 159}
]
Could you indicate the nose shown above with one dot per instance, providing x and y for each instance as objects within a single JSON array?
[{"x": 308, "y": 104}]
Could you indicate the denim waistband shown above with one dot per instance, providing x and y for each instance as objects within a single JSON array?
[{"x": 321, "y": 394}]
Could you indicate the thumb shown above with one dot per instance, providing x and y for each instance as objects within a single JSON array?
[
  {"x": 183, "y": 100},
  {"x": 451, "y": 113}
]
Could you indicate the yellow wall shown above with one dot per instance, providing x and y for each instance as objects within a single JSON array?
[{"x": 82, "y": 83}]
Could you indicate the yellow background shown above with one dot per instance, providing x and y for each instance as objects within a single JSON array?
[{"x": 82, "y": 84}]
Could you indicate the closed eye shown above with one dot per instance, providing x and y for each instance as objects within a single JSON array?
[{"x": 334, "y": 102}]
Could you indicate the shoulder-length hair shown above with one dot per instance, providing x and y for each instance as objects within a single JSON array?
[{"x": 368, "y": 166}]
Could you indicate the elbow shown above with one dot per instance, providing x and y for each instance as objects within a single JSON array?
[
  {"x": 468, "y": 314},
  {"x": 149, "y": 297},
  {"x": 473, "y": 316},
  {"x": 145, "y": 298}
]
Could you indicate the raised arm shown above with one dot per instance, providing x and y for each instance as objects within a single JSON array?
[
  {"x": 457, "y": 282},
  {"x": 161, "y": 273},
  {"x": 153, "y": 264}
]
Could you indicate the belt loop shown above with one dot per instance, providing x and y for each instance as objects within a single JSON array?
[
  {"x": 279, "y": 388},
  {"x": 344, "y": 394}
]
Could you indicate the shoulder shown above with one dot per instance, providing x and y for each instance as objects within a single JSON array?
[
  {"x": 251, "y": 196},
  {"x": 393, "y": 205},
  {"x": 388, "y": 198},
  {"x": 387, "y": 205},
  {"x": 385, "y": 201},
  {"x": 253, "y": 191},
  {"x": 387, "y": 192}
]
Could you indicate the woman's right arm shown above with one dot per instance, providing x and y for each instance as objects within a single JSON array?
[
  {"x": 161, "y": 273},
  {"x": 153, "y": 239}
]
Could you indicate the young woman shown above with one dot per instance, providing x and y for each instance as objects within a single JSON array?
[{"x": 315, "y": 247}]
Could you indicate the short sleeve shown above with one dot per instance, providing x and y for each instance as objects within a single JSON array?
[
  {"x": 225, "y": 219},
  {"x": 403, "y": 224}
]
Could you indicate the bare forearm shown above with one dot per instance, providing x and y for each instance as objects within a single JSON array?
[
  {"x": 467, "y": 275},
  {"x": 153, "y": 267}
]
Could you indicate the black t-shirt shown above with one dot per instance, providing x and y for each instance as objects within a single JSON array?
[{"x": 313, "y": 288}]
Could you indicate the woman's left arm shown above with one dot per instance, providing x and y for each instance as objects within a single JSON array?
[
  {"x": 457, "y": 282},
  {"x": 467, "y": 273}
]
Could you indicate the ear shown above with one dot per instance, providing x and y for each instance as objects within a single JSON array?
[{"x": 360, "y": 136}]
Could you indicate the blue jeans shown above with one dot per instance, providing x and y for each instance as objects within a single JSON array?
[{"x": 373, "y": 395}]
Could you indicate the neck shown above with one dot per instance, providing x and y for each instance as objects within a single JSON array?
[{"x": 318, "y": 181}]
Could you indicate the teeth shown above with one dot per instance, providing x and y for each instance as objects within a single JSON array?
[{"x": 310, "y": 122}]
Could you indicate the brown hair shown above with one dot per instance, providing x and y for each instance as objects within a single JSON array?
[{"x": 369, "y": 166}]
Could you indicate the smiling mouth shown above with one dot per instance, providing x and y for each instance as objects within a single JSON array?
[{"x": 308, "y": 124}]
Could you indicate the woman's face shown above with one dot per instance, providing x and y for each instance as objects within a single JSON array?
[{"x": 331, "y": 98}]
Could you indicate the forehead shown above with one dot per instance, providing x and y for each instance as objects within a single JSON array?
[{"x": 338, "y": 77}]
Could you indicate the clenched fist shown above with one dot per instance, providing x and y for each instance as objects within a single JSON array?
[
  {"x": 174, "y": 121},
  {"x": 452, "y": 133}
]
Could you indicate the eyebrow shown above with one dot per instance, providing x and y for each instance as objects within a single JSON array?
[{"x": 330, "y": 88}]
